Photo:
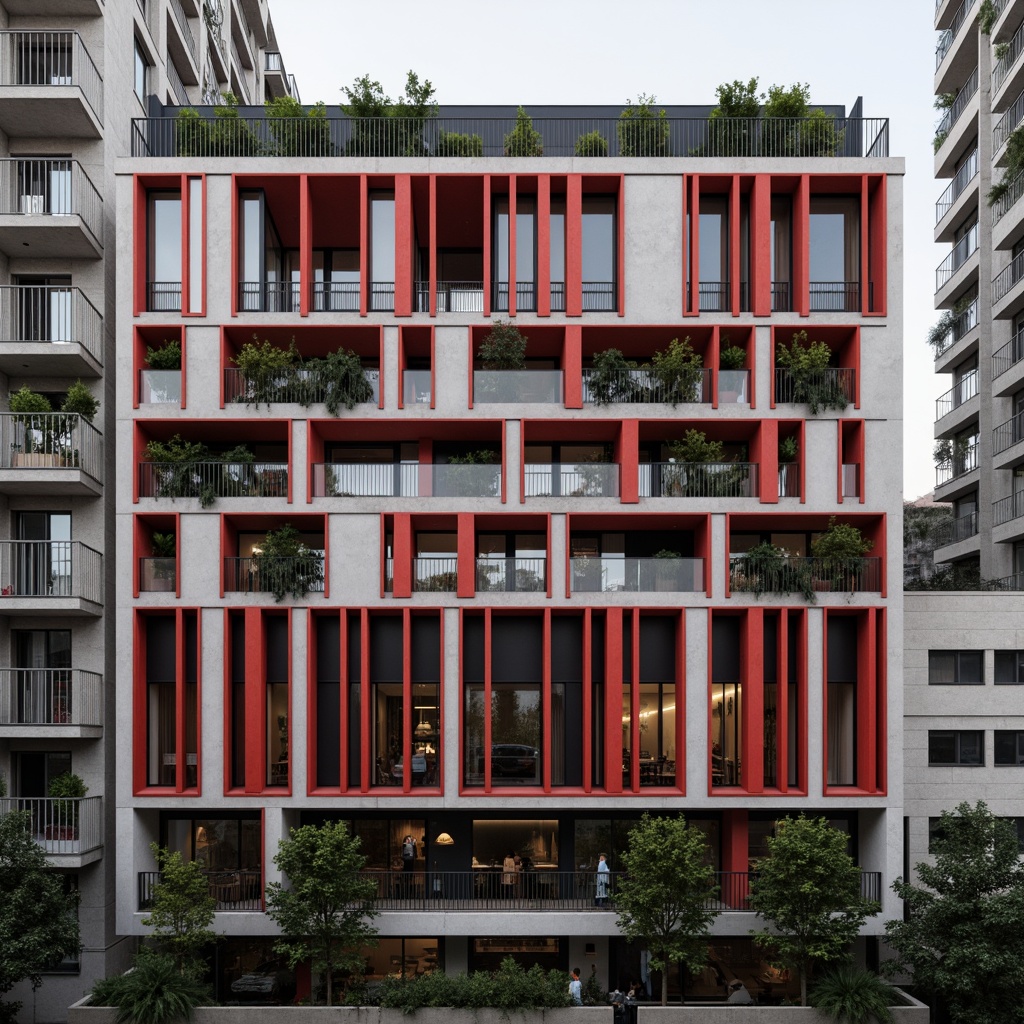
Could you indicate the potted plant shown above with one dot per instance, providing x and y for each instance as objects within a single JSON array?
[
  {"x": 65, "y": 790},
  {"x": 34, "y": 420},
  {"x": 165, "y": 548},
  {"x": 610, "y": 379},
  {"x": 79, "y": 404},
  {"x": 789, "y": 450},
  {"x": 641, "y": 131},
  {"x": 677, "y": 373},
  {"x": 503, "y": 348},
  {"x": 163, "y": 379},
  {"x": 839, "y": 554},
  {"x": 591, "y": 144},
  {"x": 732, "y": 376},
  {"x": 701, "y": 470},
  {"x": 177, "y": 474},
  {"x": 265, "y": 370},
  {"x": 524, "y": 139},
  {"x": 811, "y": 380},
  {"x": 282, "y": 564}
]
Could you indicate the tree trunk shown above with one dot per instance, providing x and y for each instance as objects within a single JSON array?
[
  {"x": 803, "y": 986},
  {"x": 664, "y": 985},
  {"x": 330, "y": 987}
]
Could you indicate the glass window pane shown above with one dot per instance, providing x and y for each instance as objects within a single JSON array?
[
  {"x": 941, "y": 747},
  {"x": 382, "y": 238},
  {"x": 165, "y": 238},
  {"x": 941, "y": 666},
  {"x": 598, "y": 237}
]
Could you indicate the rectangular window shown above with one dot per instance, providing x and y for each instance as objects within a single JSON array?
[
  {"x": 140, "y": 73},
  {"x": 1009, "y": 667},
  {"x": 781, "y": 252},
  {"x": 599, "y": 248},
  {"x": 956, "y": 747},
  {"x": 961, "y": 667},
  {"x": 1008, "y": 746},
  {"x": 165, "y": 734},
  {"x": 557, "y": 250},
  {"x": 834, "y": 253},
  {"x": 195, "y": 245},
  {"x": 713, "y": 270},
  {"x": 163, "y": 273},
  {"x": 382, "y": 251}
]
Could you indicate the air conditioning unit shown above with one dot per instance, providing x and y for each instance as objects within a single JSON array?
[{"x": 33, "y": 204}]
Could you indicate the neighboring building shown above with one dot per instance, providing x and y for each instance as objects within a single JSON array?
[
  {"x": 73, "y": 74},
  {"x": 519, "y": 651}
]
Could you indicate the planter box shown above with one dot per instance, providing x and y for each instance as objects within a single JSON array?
[
  {"x": 913, "y": 1012},
  {"x": 37, "y": 460}
]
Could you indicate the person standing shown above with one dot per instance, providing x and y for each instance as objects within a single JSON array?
[
  {"x": 576, "y": 988},
  {"x": 408, "y": 864},
  {"x": 603, "y": 878},
  {"x": 509, "y": 876}
]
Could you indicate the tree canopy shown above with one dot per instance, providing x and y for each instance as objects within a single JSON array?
[
  {"x": 38, "y": 918},
  {"x": 325, "y": 911},
  {"x": 665, "y": 898},
  {"x": 808, "y": 891},
  {"x": 964, "y": 937}
]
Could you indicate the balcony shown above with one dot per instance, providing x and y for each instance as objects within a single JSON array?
[
  {"x": 1009, "y": 355},
  {"x": 698, "y": 480},
  {"x": 210, "y": 480},
  {"x": 1005, "y": 126},
  {"x": 1006, "y": 72},
  {"x": 954, "y": 112},
  {"x": 457, "y": 297},
  {"x": 405, "y": 480},
  {"x": 435, "y": 575},
  {"x": 50, "y": 453},
  {"x": 963, "y": 462},
  {"x": 50, "y": 703},
  {"x": 335, "y": 296},
  {"x": 517, "y": 386},
  {"x": 607, "y": 574},
  {"x": 964, "y": 323},
  {"x": 43, "y": 576},
  {"x": 269, "y": 296},
  {"x": 495, "y": 574},
  {"x": 713, "y": 296},
  {"x": 640, "y": 386},
  {"x": 961, "y": 252},
  {"x": 272, "y": 575},
  {"x": 182, "y": 41},
  {"x": 781, "y": 302},
  {"x": 233, "y": 891},
  {"x": 835, "y": 297},
  {"x": 833, "y": 386},
  {"x": 70, "y": 829},
  {"x": 158, "y": 574},
  {"x": 49, "y": 86},
  {"x": 56, "y": 8},
  {"x": 159, "y": 387},
  {"x": 807, "y": 576},
  {"x": 163, "y": 296},
  {"x": 571, "y": 480},
  {"x": 49, "y": 330},
  {"x": 960, "y": 529},
  {"x": 947, "y": 37},
  {"x": 526, "y": 296},
  {"x": 278, "y": 80},
  {"x": 789, "y": 480},
  {"x": 51, "y": 207},
  {"x": 1002, "y": 206},
  {"x": 1007, "y": 434},
  {"x": 962, "y": 391},
  {"x": 963, "y": 177},
  {"x": 1008, "y": 278},
  {"x": 1007, "y": 509},
  {"x": 293, "y": 386}
]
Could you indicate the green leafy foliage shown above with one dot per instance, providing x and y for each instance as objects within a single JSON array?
[
  {"x": 1013, "y": 165},
  {"x": 164, "y": 545},
  {"x": 642, "y": 131},
  {"x": 808, "y": 892},
  {"x": 325, "y": 913},
  {"x": 166, "y": 357},
  {"x": 184, "y": 470},
  {"x": 987, "y": 14},
  {"x": 732, "y": 357},
  {"x": 591, "y": 144},
  {"x": 284, "y": 565},
  {"x": 610, "y": 380},
  {"x": 678, "y": 372},
  {"x": 789, "y": 449},
  {"x": 852, "y": 995},
  {"x": 154, "y": 991},
  {"x": 964, "y": 937},
  {"x": 79, "y": 401},
  {"x": 38, "y": 919},
  {"x": 456, "y": 144},
  {"x": 694, "y": 446},
  {"x": 767, "y": 569},
  {"x": 503, "y": 347},
  {"x": 732, "y": 124},
  {"x": 840, "y": 542},
  {"x": 383, "y": 127},
  {"x": 182, "y": 910},
  {"x": 664, "y": 897},
  {"x": 523, "y": 140},
  {"x": 481, "y": 457},
  {"x": 811, "y": 381},
  {"x": 25, "y": 400},
  {"x": 812, "y": 133},
  {"x": 296, "y": 131}
]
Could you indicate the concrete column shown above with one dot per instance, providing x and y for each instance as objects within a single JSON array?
[
  {"x": 696, "y": 702},
  {"x": 390, "y": 369},
  {"x": 815, "y": 704},
  {"x": 513, "y": 465},
  {"x": 451, "y": 702}
]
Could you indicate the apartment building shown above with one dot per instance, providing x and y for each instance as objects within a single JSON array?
[
  {"x": 73, "y": 75},
  {"x": 517, "y": 620},
  {"x": 961, "y": 744}
]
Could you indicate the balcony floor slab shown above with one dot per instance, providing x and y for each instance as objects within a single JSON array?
[
  {"x": 51, "y": 732},
  {"x": 49, "y": 481},
  {"x": 77, "y": 607},
  {"x": 48, "y": 359},
  {"x": 47, "y": 111},
  {"x": 47, "y": 236}
]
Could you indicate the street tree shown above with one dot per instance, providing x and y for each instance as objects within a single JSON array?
[
  {"x": 38, "y": 918},
  {"x": 182, "y": 910},
  {"x": 665, "y": 898},
  {"x": 325, "y": 911},
  {"x": 808, "y": 891},
  {"x": 964, "y": 936}
]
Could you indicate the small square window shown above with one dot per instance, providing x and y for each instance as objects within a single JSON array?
[
  {"x": 1008, "y": 746},
  {"x": 956, "y": 747},
  {"x": 964, "y": 668},
  {"x": 1009, "y": 667}
]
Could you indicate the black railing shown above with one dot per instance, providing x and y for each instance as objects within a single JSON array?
[
  {"x": 635, "y": 385},
  {"x": 781, "y": 302},
  {"x": 967, "y": 173},
  {"x": 964, "y": 461},
  {"x": 257, "y": 135},
  {"x": 958, "y": 256},
  {"x": 163, "y": 297},
  {"x": 453, "y": 297},
  {"x": 963, "y": 390},
  {"x": 233, "y": 891},
  {"x": 796, "y": 575},
  {"x": 269, "y": 296},
  {"x": 964, "y": 322},
  {"x": 1008, "y": 277},
  {"x": 437, "y": 575},
  {"x": 1007, "y": 123},
  {"x": 1006, "y": 62},
  {"x": 526, "y": 296},
  {"x": 830, "y": 385},
  {"x": 698, "y": 480},
  {"x": 1005, "y": 510},
  {"x": 496, "y": 573},
  {"x": 1006, "y": 201},
  {"x": 1009, "y": 355},
  {"x": 265, "y": 574},
  {"x": 382, "y": 296},
  {"x": 599, "y": 297},
  {"x": 836, "y": 297},
  {"x": 958, "y": 106},
  {"x": 957, "y": 530},
  {"x": 336, "y": 296},
  {"x": 1007, "y": 434},
  {"x": 947, "y": 37},
  {"x": 213, "y": 480},
  {"x": 557, "y": 296}
]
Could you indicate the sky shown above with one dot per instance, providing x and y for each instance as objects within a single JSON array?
[{"x": 596, "y": 52}]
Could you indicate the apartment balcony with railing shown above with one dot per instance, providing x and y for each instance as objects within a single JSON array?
[
  {"x": 831, "y": 386},
  {"x": 699, "y": 480},
  {"x": 642, "y": 386},
  {"x": 603, "y": 574},
  {"x": 276, "y": 574},
  {"x": 1005, "y": 126},
  {"x": 517, "y": 386},
  {"x": 948, "y": 37},
  {"x": 495, "y": 574},
  {"x": 1007, "y": 509},
  {"x": 1008, "y": 434},
  {"x": 49, "y": 330},
  {"x": 406, "y": 480},
  {"x": 211, "y": 480},
  {"x": 952, "y": 131},
  {"x": 50, "y": 702},
  {"x": 805, "y": 575},
  {"x": 69, "y": 829},
  {"x": 233, "y": 892},
  {"x": 50, "y": 453},
  {"x": 1009, "y": 355},
  {"x": 181, "y": 40},
  {"x": 960, "y": 393},
  {"x": 277, "y": 78},
  {"x": 52, "y": 207},
  {"x": 49, "y": 86},
  {"x": 837, "y": 296},
  {"x": 958, "y": 257},
  {"x": 963, "y": 323},
  {"x": 963, "y": 461},
  {"x": 1005, "y": 284},
  {"x": 957, "y": 187},
  {"x": 571, "y": 480},
  {"x": 296, "y": 385},
  {"x": 1003, "y": 205},
  {"x": 960, "y": 529},
  {"x": 1008, "y": 72},
  {"x": 458, "y": 297}
]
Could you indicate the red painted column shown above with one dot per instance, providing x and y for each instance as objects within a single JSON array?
[
  {"x": 711, "y": 361},
  {"x": 839, "y": 461},
  {"x": 511, "y": 245},
  {"x": 878, "y": 269},
  {"x": 629, "y": 462},
  {"x": 305, "y": 245},
  {"x": 588, "y": 698},
  {"x": 402, "y": 555},
  {"x": 344, "y": 696},
  {"x": 466, "y": 547},
  {"x": 735, "y": 856},
  {"x": 432, "y": 251},
  {"x": 574, "y": 245},
  {"x": 403, "y": 245},
  {"x": 488, "y": 277},
  {"x": 752, "y": 744},
  {"x": 881, "y": 730},
  {"x": 613, "y": 700},
  {"x": 761, "y": 245},
  {"x": 255, "y": 703},
  {"x": 801, "y": 247},
  {"x": 734, "y": 245},
  {"x": 685, "y": 235},
  {"x": 620, "y": 254},
  {"x": 364, "y": 245},
  {"x": 768, "y": 461},
  {"x": 572, "y": 366},
  {"x": 864, "y": 306},
  {"x": 543, "y": 283},
  {"x": 782, "y": 702},
  {"x": 179, "y": 699}
]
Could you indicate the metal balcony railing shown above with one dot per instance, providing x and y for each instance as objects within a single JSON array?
[
  {"x": 947, "y": 37},
  {"x": 957, "y": 530},
  {"x": 789, "y": 479},
  {"x": 1009, "y": 355},
  {"x": 964, "y": 176},
  {"x": 50, "y": 696},
  {"x": 851, "y": 479},
  {"x": 213, "y": 13},
  {"x": 66, "y": 826},
  {"x": 433, "y": 574},
  {"x": 571, "y": 480},
  {"x": 48, "y": 569},
  {"x": 959, "y": 105},
  {"x": 50, "y": 188},
  {"x": 1008, "y": 199},
  {"x": 458, "y": 297},
  {"x": 608, "y": 574},
  {"x": 516, "y": 386},
  {"x": 1007, "y": 434},
  {"x": 835, "y": 296},
  {"x": 961, "y": 252},
  {"x": 274, "y": 62},
  {"x": 163, "y": 297},
  {"x": 521, "y": 575},
  {"x": 45, "y": 58},
  {"x": 698, "y": 480},
  {"x": 526, "y": 296},
  {"x": 1007, "y": 123},
  {"x": 269, "y": 296},
  {"x": 962, "y": 391},
  {"x": 296, "y": 385},
  {"x": 833, "y": 381},
  {"x": 336, "y": 296},
  {"x": 713, "y": 296},
  {"x": 672, "y": 136},
  {"x": 405, "y": 480},
  {"x": 796, "y": 575},
  {"x": 642, "y": 386},
  {"x": 50, "y": 440},
  {"x": 964, "y": 461},
  {"x": 209, "y": 480},
  {"x": 260, "y": 575},
  {"x": 233, "y": 891},
  {"x": 965, "y": 322},
  {"x": 557, "y": 296},
  {"x": 1008, "y": 277},
  {"x": 382, "y": 296},
  {"x": 50, "y": 313},
  {"x": 1005, "y": 510},
  {"x": 186, "y": 31},
  {"x": 177, "y": 85},
  {"x": 781, "y": 302},
  {"x": 1005, "y": 63}
]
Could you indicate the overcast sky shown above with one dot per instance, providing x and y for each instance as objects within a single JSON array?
[{"x": 596, "y": 51}]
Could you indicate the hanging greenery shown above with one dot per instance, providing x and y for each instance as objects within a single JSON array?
[
  {"x": 284, "y": 565},
  {"x": 812, "y": 382}
]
